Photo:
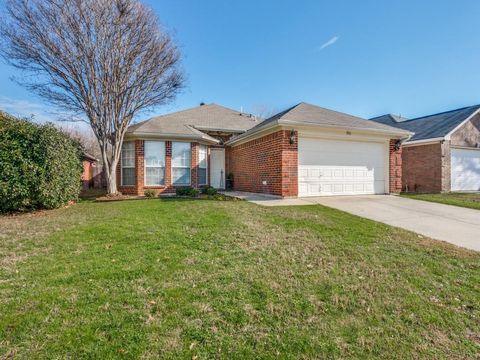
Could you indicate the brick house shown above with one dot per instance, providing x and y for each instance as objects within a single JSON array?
[
  {"x": 305, "y": 150},
  {"x": 444, "y": 153}
]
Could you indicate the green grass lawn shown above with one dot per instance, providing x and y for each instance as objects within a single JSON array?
[
  {"x": 205, "y": 279},
  {"x": 468, "y": 200}
]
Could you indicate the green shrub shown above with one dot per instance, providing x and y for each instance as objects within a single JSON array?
[
  {"x": 150, "y": 193},
  {"x": 209, "y": 190},
  {"x": 186, "y": 191},
  {"x": 40, "y": 166}
]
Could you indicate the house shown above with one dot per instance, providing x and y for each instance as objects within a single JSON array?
[
  {"x": 305, "y": 150},
  {"x": 88, "y": 163},
  {"x": 444, "y": 153}
]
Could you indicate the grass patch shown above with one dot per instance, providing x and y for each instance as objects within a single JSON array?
[
  {"x": 468, "y": 200},
  {"x": 211, "y": 279}
]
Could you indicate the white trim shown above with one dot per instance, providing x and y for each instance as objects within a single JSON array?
[
  {"x": 290, "y": 125},
  {"x": 286, "y": 124},
  {"x": 171, "y": 137},
  {"x": 447, "y": 137},
  {"x": 127, "y": 167},
  {"x": 423, "y": 142},
  {"x": 342, "y": 135}
]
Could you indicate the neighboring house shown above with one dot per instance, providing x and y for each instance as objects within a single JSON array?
[
  {"x": 90, "y": 165},
  {"x": 305, "y": 150},
  {"x": 444, "y": 153}
]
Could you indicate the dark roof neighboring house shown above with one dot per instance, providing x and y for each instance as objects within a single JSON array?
[
  {"x": 433, "y": 126},
  {"x": 308, "y": 114},
  {"x": 194, "y": 123},
  {"x": 89, "y": 157}
]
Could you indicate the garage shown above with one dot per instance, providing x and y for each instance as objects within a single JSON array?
[
  {"x": 465, "y": 169},
  {"x": 340, "y": 167}
]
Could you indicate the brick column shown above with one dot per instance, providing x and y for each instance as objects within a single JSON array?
[
  {"x": 139, "y": 166},
  {"x": 446, "y": 159},
  {"x": 289, "y": 164},
  {"x": 168, "y": 166},
  {"x": 395, "y": 167},
  {"x": 194, "y": 165}
]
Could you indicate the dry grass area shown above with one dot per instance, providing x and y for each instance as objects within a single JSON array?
[{"x": 204, "y": 279}]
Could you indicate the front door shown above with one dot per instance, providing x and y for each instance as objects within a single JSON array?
[{"x": 217, "y": 168}]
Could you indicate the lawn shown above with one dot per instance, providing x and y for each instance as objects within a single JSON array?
[
  {"x": 210, "y": 279},
  {"x": 468, "y": 200}
]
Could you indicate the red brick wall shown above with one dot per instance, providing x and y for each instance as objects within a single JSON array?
[
  {"x": 194, "y": 165},
  {"x": 422, "y": 168},
  {"x": 271, "y": 159},
  {"x": 395, "y": 167},
  {"x": 87, "y": 174}
]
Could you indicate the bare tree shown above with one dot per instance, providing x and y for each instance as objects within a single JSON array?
[
  {"x": 86, "y": 137},
  {"x": 263, "y": 111},
  {"x": 107, "y": 60}
]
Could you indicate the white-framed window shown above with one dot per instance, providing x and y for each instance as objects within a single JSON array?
[
  {"x": 181, "y": 163},
  {"x": 202, "y": 165},
  {"x": 128, "y": 164},
  {"x": 154, "y": 163}
]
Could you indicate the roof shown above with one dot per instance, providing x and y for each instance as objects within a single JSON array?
[
  {"x": 195, "y": 122},
  {"x": 436, "y": 125},
  {"x": 308, "y": 114},
  {"x": 389, "y": 119},
  {"x": 88, "y": 157}
]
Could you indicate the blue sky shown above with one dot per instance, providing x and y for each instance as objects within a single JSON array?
[{"x": 365, "y": 58}]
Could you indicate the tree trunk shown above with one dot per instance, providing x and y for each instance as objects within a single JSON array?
[{"x": 111, "y": 176}]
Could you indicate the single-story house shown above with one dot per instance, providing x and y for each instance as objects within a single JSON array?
[
  {"x": 305, "y": 150},
  {"x": 444, "y": 153}
]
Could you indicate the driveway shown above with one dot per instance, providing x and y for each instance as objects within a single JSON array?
[{"x": 456, "y": 225}]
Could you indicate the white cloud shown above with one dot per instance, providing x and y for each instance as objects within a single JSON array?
[
  {"x": 36, "y": 111},
  {"x": 330, "y": 42}
]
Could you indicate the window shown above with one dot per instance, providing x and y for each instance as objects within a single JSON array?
[
  {"x": 202, "y": 165},
  {"x": 128, "y": 164},
  {"x": 154, "y": 163},
  {"x": 181, "y": 161}
]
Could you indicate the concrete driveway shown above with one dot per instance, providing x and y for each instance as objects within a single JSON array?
[{"x": 456, "y": 225}]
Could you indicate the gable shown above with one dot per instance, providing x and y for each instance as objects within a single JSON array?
[{"x": 468, "y": 134}]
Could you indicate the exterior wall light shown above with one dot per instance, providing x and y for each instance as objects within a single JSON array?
[
  {"x": 292, "y": 137},
  {"x": 398, "y": 144}
]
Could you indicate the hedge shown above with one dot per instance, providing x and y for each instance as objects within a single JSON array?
[{"x": 40, "y": 166}]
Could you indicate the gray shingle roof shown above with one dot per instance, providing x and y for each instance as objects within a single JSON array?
[
  {"x": 192, "y": 123},
  {"x": 389, "y": 119},
  {"x": 308, "y": 114},
  {"x": 436, "y": 125}
]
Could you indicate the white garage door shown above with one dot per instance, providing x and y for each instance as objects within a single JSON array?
[
  {"x": 465, "y": 170},
  {"x": 333, "y": 167}
]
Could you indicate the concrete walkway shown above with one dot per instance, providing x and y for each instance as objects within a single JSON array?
[{"x": 456, "y": 225}]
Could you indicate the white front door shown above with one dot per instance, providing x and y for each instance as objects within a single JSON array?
[
  {"x": 465, "y": 170},
  {"x": 337, "y": 167},
  {"x": 217, "y": 168}
]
